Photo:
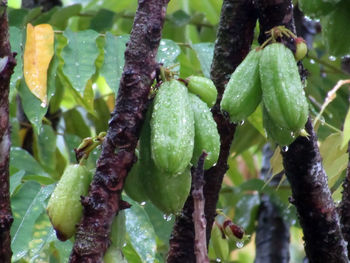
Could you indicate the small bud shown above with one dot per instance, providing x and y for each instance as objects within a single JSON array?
[
  {"x": 232, "y": 231},
  {"x": 301, "y": 49}
]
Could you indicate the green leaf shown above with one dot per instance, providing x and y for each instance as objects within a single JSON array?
[
  {"x": 16, "y": 46},
  {"x": 46, "y": 148},
  {"x": 205, "y": 52},
  {"x": 346, "y": 130},
  {"x": 27, "y": 205},
  {"x": 179, "y": 18},
  {"x": 60, "y": 18},
  {"x": 22, "y": 160},
  {"x": 42, "y": 236},
  {"x": 140, "y": 231},
  {"x": 16, "y": 17},
  {"x": 246, "y": 211},
  {"x": 103, "y": 20},
  {"x": 257, "y": 121},
  {"x": 102, "y": 115},
  {"x": 32, "y": 106},
  {"x": 335, "y": 158},
  {"x": 113, "y": 64},
  {"x": 161, "y": 226},
  {"x": 208, "y": 8},
  {"x": 75, "y": 124},
  {"x": 15, "y": 181},
  {"x": 79, "y": 57},
  {"x": 131, "y": 254},
  {"x": 72, "y": 141},
  {"x": 334, "y": 25},
  {"x": 168, "y": 51}
]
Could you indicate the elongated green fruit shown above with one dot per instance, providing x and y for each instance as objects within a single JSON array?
[
  {"x": 243, "y": 93},
  {"x": 206, "y": 136},
  {"x": 166, "y": 191},
  {"x": 64, "y": 207},
  {"x": 283, "y": 94},
  {"x": 133, "y": 186},
  {"x": 172, "y": 128},
  {"x": 118, "y": 230},
  {"x": 280, "y": 135},
  {"x": 114, "y": 255},
  {"x": 204, "y": 88}
]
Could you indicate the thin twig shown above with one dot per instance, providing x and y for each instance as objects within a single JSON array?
[{"x": 200, "y": 223}]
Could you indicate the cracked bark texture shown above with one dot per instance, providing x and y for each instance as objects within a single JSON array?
[
  {"x": 234, "y": 38},
  {"x": 303, "y": 167},
  {"x": 118, "y": 150},
  {"x": 344, "y": 207},
  {"x": 272, "y": 232},
  {"x": 6, "y": 69}
]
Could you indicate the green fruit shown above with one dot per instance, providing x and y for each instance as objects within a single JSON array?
[
  {"x": 114, "y": 255},
  {"x": 166, "y": 191},
  {"x": 283, "y": 94},
  {"x": 206, "y": 135},
  {"x": 301, "y": 49},
  {"x": 133, "y": 186},
  {"x": 280, "y": 135},
  {"x": 219, "y": 243},
  {"x": 172, "y": 128},
  {"x": 204, "y": 88},
  {"x": 118, "y": 230},
  {"x": 64, "y": 207},
  {"x": 316, "y": 7},
  {"x": 243, "y": 93}
]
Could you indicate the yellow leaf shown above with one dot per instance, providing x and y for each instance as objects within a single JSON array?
[{"x": 38, "y": 53}]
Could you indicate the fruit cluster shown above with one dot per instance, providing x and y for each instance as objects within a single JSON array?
[
  {"x": 269, "y": 74},
  {"x": 179, "y": 126}
]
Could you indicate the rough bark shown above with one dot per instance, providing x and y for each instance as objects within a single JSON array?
[
  {"x": 104, "y": 199},
  {"x": 272, "y": 233},
  {"x": 234, "y": 38},
  {"x": 344, "y": 207},
  {"x": 200, "y": 244},
  {"x": 6, "y": 69},
  {"x": 303, "y": 167},
  {"x": 45, "y": 4}
]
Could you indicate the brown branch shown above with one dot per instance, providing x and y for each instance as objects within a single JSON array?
[
  {"x": 104, "y": 199},
  {"x": 303, "y": 166},
  {"x": 344, "y": 206},
  {"x": 200, "y": 244},
  {"x": 234, "y": 38},
  {"x": 7, "y": 65}
]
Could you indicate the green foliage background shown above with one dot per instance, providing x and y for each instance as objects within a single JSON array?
[{"x": 83, "y": 78}]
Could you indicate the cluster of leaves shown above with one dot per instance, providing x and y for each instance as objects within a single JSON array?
[{"x": 82, "y": 82}]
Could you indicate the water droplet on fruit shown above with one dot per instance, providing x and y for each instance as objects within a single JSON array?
[
  {"x": 239, "y": 244},
  {"x": 285, "y": 149},
  {"x": 167, "y": 217}
]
